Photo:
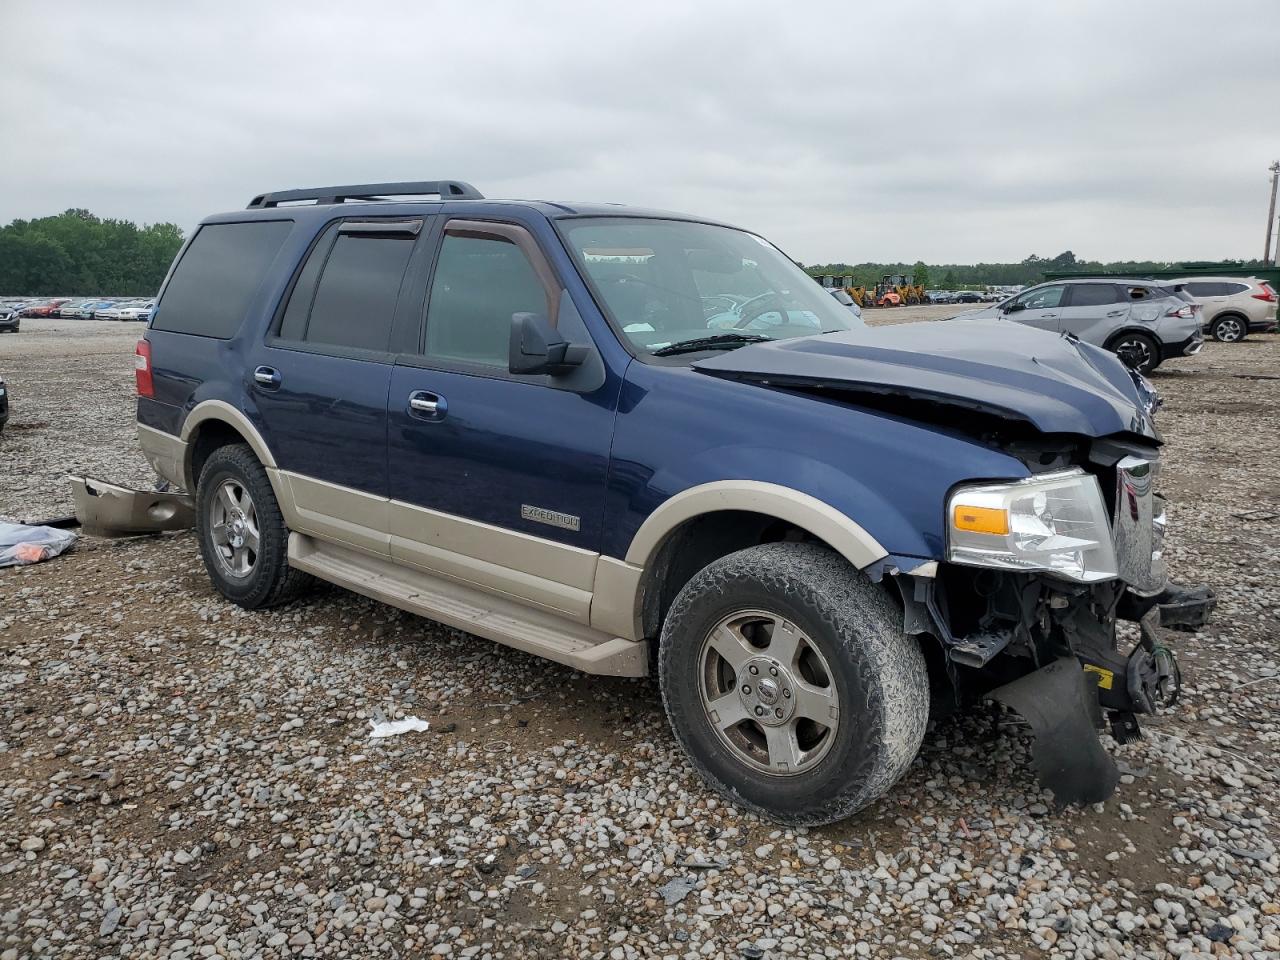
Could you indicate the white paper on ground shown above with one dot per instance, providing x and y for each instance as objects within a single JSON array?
[{"x": 393, "y": 728}]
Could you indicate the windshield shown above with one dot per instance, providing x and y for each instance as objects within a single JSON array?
[{"x": 668, "y": 282}]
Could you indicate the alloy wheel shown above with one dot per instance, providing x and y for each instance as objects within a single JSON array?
[
  {"x": 1136, "y": 351},
  {"x": 768, "y": 692},
  {"x": 1229, "y": 330},
  {"x": 233, "y": 527}
]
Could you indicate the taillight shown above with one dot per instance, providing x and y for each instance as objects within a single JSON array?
[
  {"x": 1267, "y": 293},
  {"x": 1184, "y": 312},
  {"x": 142, "y": 369}
]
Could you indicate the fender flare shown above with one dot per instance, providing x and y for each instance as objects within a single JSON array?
[
  {"x": 222, "y": 412},
  {"x": 1129, "y": 328},
  {"x": 846, "y": 536}
]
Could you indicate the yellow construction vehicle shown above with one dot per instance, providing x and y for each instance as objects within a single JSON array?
[
  {"x": 861, "y": 296},
  {"x": 896, "y": 290}
]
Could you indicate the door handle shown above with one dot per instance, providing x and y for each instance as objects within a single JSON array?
[
  {"x": 1115, "y": 313},
  {"x": 1049, "y": 316},
  {"x": 427, "y": 406},
  {"x": 267, "y": 376}
]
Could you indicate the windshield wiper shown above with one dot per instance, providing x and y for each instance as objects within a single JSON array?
[{"x": 720, "y": 341}]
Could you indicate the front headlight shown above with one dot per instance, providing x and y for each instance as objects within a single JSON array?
[{"x": 1056, "y": 522}]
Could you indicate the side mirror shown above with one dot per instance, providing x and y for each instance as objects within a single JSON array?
[
  {"x": 537, "y": 348},
  {"x": 1014, "y": 307}
]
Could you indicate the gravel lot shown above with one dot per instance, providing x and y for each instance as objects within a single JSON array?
[{"x": 181, "y": 778}]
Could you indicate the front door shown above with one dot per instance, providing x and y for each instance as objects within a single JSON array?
[
  {"x": 498, "y": 480},
  {"x": 1037, "y": 308}
]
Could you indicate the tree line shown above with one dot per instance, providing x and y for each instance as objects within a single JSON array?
[
  {"x": 957, "y": 276},
  {"x": 78, "y": 254}
]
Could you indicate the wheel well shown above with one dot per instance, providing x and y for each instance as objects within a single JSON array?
[
  {"x": 698, "y": 542},
  {"x": 1233, "y": 314},
  {"x": 1116, "y": 337},
  {"x": 209, "y": 436}
]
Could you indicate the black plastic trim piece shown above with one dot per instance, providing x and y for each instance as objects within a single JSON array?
[{"x": 444, "y": 189}]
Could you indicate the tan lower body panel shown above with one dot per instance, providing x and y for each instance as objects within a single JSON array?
[
  {"x": 165, "y": 452},
  {"x": 549, "y": 575},
  {"x": 336, "y": 513},
  {"x": 542, "y": 633}
]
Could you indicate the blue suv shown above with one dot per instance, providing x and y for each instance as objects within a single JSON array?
[{"x": 635, "y": 442}]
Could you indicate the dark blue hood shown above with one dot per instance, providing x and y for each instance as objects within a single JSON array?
[{"x": 1055, "y": 383}]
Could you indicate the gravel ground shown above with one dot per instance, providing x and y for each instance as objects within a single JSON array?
[{"x": 180, "y": 778}]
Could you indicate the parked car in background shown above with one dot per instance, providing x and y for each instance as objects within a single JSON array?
[
  {"x": 942, "y": 296},
  {"x": 1232, "y": 307},
  {"x": 69, "y": 308},
  {"x": 43, "y": 308},
  {"x": 89, "y": 309},
  {"x": 10, "y": 319},
  {"x": 126, "y": 310},
  {"x": 1144, "y": 322},
  {"x": 967, "y": 296},
  {"x": 841, "y": 297}
]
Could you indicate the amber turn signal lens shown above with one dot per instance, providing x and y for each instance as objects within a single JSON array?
[{"x": 991, "y": 520}]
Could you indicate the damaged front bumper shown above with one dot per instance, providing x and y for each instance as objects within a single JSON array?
[
  {"x": 109, "y": 510},
  {"x": 1049, "y": 650}
]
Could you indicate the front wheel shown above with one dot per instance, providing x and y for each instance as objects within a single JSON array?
[{"x": 789, "y": 683}]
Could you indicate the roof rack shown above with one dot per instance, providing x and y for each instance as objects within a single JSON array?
[{"x": 444, "y": 189}]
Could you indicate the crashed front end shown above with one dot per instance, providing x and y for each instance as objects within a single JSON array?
[{"x": 1038, "y": 572}]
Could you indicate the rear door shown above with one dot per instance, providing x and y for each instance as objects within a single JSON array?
[
  {"x": 1092, "y": 311},
  {"x": 320, "y": 380},
  {"x": 1038, "y": 307},
  {"x": 1210, "y": 294},
  {"x": 496, "y": 479}
]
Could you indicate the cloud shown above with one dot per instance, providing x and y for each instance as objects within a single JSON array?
[{"x": 950, "y": 133}]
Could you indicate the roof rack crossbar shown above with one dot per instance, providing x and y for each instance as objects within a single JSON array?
[{"x": 444, "y": 189}]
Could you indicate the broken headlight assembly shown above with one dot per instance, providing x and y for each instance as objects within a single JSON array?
[{"x": 1053, "y": 523}]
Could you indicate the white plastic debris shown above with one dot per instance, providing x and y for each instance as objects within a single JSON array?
[
  {"x": 393, "y": 728},
  {"x": 21, "y": 544}
]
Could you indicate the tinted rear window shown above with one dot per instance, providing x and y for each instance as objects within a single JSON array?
[
  {"x": 218, "y": 275},
  {"x": 1093, "y": 294},
  {"x": 355, "y": 300}
]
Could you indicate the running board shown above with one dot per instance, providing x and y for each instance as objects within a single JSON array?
[{"x": 468, "y": 608}]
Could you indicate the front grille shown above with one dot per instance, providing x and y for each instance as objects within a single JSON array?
[{"x": 1138, "y": 525}]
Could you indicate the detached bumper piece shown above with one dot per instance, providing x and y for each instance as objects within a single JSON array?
[
  {"x": 1060, "y": 702},
  {"x": 108, "y": 510}
]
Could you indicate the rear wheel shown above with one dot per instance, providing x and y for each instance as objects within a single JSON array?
[
  {"x": 789, "y": 682},
  {"x": 1229, "y": 329},
  {"x": 1139, "y": 350},
  {"x": 243, "y": 538}
]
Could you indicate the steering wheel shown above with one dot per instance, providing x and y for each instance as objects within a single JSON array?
[{"x": 747, "y": 318}]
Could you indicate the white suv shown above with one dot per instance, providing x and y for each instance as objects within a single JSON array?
[{"x": 1233, "y": 307}]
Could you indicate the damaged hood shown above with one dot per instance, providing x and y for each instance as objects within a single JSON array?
[{"x": 1054, "y": 383}]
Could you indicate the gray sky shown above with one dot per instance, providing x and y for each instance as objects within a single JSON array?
[{"x": 948, "y": 132}]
